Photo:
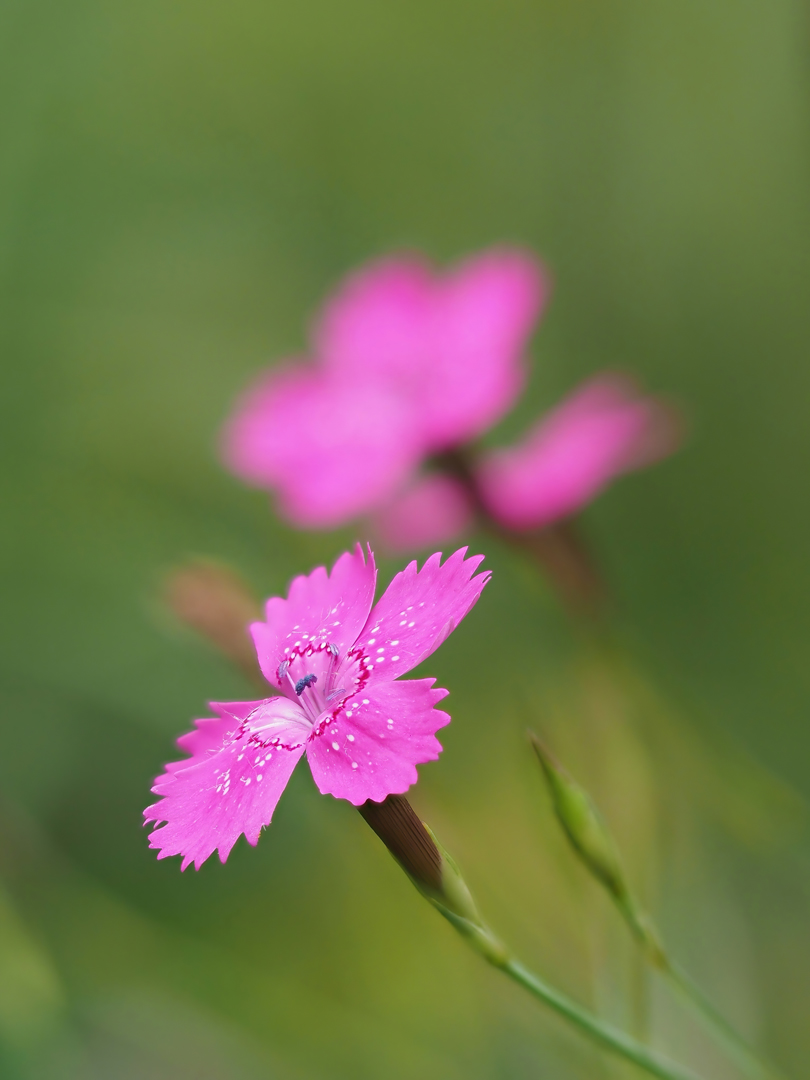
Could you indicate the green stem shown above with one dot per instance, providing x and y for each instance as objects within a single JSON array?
[
  {"x": 713, "y": 1021},
  {"x": 437, "y": 877},
  {"x": 609, "y": 1037},
  {"x": 716, "y": 1023}
]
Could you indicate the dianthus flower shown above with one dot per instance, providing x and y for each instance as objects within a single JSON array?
[
  {"x": 333, "y": 664},
  {"x": 605, "y": 428},
  {"x": 453, "y": 344},
  {"x": 405, "y": 363}
]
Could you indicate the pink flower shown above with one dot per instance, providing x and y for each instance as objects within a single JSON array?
[
  {"x": 452, "y": 344},
  {"x": 433, "y": 510},
  {"x": 330, "y": 448},
  {"x": 406, "y": 363},
  {"x": 334, "y": 664},
  {"x": 604, "y": 429}
]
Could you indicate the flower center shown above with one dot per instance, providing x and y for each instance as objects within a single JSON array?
[
  {"x": 307, "y": 674},
  {"x": 314, "y": 675}
]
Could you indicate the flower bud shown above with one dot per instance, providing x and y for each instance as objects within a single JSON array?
[
  {"x": 592, "y": 841},
  {"x": 432, "y": 870},
  {"x": 582, "y": 823}
]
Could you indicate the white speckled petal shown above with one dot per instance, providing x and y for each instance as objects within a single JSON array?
[
  {"x": 232, "y": 783},
  {"x": 418, "y": 610},
  {"x": 319, "y": 608},
  {"x": 372, "y": 748}
]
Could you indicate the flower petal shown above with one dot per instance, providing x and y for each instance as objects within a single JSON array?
[
  {"x": 418, "y": 610},
  {"x": 605, "y": 428},
  {"x": 372, "y": 748},
  {"x": 330, "y": 448},
  {"x": 232, "y": 783},
  {"x": 452, "y": 345},
  {"x": 377, "y": 323},
  {"x": 485, "y": 312},
  {"x": 205, "y": 738},
  {"x": 433, "y": 510},
  {"x": 319, "y": 608}
]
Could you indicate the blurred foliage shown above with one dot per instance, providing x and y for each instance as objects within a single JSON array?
[{"x": 179, "y": 185}]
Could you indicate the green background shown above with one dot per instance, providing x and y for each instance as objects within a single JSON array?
[{"x": 180, "y": 184}]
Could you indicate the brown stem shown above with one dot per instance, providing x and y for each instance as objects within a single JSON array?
[{"x": 561, "y": 552}]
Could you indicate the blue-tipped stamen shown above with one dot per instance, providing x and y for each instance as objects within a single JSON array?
[{"x": 302, "y": 684}]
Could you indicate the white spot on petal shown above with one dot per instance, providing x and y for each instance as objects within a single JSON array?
[
  {"x": 335, "y": 746},
  {"x": 350, "y": 738},
  {"x": 354, "y": 764}
]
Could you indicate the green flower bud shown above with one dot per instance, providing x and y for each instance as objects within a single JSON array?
[
  {"x": 593, "y": 842},
  {"x": 582, "y": 823}
]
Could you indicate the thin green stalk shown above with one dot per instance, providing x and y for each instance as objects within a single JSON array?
[
  {"x": 593, "y": 843},
  {"x": 437, "y": 877},
  {"x": 737, "y": 1048},
  {"x": 609, "y": 1037},
  {"x": 713, "y": 1021}
]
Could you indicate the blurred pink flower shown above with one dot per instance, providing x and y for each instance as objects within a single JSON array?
[
  {"x": 335, "y": 664},
  {"x": 604, "y": 429},
  {"x": 453, "y": 344},
  {"x": 330, "y": 448},
  {"x": 433, "y": 510},
  {"x": 406, "y": 363}
]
